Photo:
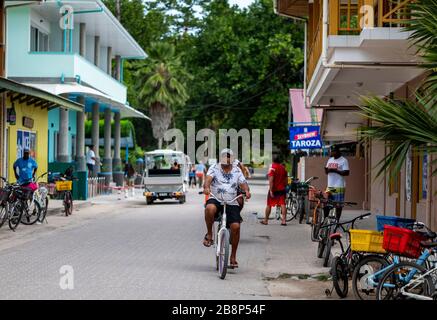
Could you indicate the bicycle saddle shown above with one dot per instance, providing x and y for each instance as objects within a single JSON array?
[
  {"x": 427, "y": 244},
  {"x": 428, "y": 234}
]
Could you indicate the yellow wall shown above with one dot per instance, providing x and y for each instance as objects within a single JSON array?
[{"x": 40, "y": 127}]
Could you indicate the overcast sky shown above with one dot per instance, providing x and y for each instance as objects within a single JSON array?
[{"x": 241, "y": 3}]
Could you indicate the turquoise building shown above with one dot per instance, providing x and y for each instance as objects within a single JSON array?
[{"x": 74, "y": 49}]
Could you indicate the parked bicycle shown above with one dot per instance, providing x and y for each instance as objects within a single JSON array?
[
  {"x": 299, "y": 191},
  {"x": 327, "y": 228},
  {"x": 64, "y": 186},
  {"x": 41, "y": 196},
  {"x": 19, "y": 205},
  {"x": 408, "y": 279},
  {"x": 343, "y": 266}
]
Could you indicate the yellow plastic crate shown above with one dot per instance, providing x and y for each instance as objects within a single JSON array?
[
  {"x": 367, "y": 241},
  {"x": 64, "y": 185}
]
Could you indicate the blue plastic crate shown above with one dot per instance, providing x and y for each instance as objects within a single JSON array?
[{"x": 393, "y": 221}]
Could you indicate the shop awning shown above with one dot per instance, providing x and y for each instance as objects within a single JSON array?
[
  {"x": 301, "y": 114},
  {"x": 75, "y": 89},
  {"x": 35, "y": 96},
  {"x": 341, "y": 125}
]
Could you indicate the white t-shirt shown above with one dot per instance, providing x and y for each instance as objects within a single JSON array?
[
  {"x": 334, "y": 179},
  {"x": 224, "y": 185},
  {"x": 89, "y": 157}
]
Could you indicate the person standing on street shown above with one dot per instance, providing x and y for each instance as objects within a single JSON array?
[
  {"x": 277, "y": 184},
  {"x": 200, "y": 173},
  {"x": 129, "y": 174},
  {"x": 90, "y": 160},
  {"x": 336, "y": 168},
  {"x": 26, "y": 166}
]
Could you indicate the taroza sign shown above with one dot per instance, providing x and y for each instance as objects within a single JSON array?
[{"x": 305, "y": 137}]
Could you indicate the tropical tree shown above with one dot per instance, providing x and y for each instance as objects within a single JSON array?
[
  {"x": 162, "y": 89},
  {"x": 409, "y": 125}
]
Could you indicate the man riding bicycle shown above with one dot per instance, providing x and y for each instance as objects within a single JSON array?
[{"x": 223, "y": 180}]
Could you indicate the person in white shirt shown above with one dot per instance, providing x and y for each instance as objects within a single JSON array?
[
  {"x": 90, "y": 160},
  {"x": 337, "y": 168},
  {"x": 223, "y": 180}
]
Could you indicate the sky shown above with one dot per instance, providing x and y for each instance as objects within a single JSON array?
[{"x": 241, "y": 3}]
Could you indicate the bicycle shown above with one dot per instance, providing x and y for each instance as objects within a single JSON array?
[
  {"x": 41, "y": 196},
  {"x": 327, "y": 228},
  {"x": 19, "y": 198},
  {"x": 343, "y": 266},
  {"x": 411, "y": 279},
  {"x": 64, "y": 186},
  {"x": 222, "y": 239},
  {"x": 302, "y": 192},
  {"x": 292, "y": 204},
  {"x": 317, "y": 216}
]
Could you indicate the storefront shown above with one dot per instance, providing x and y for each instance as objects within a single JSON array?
[{"x": 27, "y": 112}]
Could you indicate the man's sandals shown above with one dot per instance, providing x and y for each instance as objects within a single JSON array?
[{"x": 207, "y": 242}]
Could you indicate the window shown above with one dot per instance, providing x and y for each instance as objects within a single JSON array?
[{"x": 39, "y": 41}]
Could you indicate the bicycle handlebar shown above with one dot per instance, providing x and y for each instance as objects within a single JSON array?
[
  {"x": 311, "y": 179},
  {"x": 225, "y": 201},
  {"x": 360, "y": 217}
]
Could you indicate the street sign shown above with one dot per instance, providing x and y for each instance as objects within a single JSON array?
[{"x": 305, "y": 137}]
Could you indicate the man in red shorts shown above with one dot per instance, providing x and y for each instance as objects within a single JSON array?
[{"x": 277, "y": 184}]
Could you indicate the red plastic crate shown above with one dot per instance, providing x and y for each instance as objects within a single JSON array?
[{"x": 403, "y": 242}]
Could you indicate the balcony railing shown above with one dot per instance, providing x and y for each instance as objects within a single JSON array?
[{"x": 349, "y": 17}]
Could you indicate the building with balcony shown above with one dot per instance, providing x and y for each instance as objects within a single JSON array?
[
  {"x": 355, "y": 48},
  {"x": 74, "y": 49}
]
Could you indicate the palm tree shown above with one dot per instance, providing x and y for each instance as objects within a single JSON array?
[
  {"x": 162, "y": 86},
  {"x": 409, "y": 125}
]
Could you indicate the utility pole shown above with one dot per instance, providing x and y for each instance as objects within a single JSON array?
[{"x": 117, "y": 10}]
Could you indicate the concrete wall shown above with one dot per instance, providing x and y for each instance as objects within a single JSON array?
[
  {"x": 53, "y": 127},
  {"x": 355, "y": 190}
]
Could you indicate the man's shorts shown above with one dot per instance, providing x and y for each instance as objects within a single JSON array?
[
  {"x": 278, "y": 200},
  {"x": 232, "y": 212},
  {"x": 338, "y": 195}
]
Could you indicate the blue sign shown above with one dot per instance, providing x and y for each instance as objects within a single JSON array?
[{"x": 305, "y": 137}]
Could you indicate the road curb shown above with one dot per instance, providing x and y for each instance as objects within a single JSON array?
[{"x": 59, "y": 210}]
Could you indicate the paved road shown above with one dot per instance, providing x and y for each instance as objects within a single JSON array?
[
  {"x": 123, "y": 249},
  {"x": 132, "y": 251}
]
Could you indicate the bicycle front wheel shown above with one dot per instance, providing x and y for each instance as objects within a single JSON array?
[
  {"x": 340, "y": 277},
  {"x": 366, "y": 274},
  {"x": 322, "y": 242},
  {"x": 3, "y": 213},
  {"x": 43, "y": 214},
  {"x": 15, "y": 215},
  {"x": 223, "y": 256},
  {"x": 31, "y": 213},
  {"x": 405, "y": 281},
  {"x": 315, "y": 224},
  {"x": 68, "y": 204},
  {"x": 292, "y": 207},
  {"x": 301, "y": 210}
]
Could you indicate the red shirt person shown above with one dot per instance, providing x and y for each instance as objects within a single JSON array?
[{"x": 277, "y": 184}]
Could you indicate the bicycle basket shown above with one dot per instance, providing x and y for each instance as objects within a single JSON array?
[
  {"x": 64, "y": 185},
  {"x": 393, "y": 221},
  {"x": 366, "y": 241},
  {"x": 401, "y": 241}
]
